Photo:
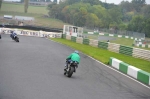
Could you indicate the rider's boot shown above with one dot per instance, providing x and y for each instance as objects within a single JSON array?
[{"x": 65, "y": 69}]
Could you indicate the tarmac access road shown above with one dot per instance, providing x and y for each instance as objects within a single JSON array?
[
  {"x": 33, "y": 69},
  {"x": 99, "y": 37},
  {"x": 106, "y": 38}
]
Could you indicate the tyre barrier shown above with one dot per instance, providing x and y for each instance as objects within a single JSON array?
[{"x": 126, "y": 50}]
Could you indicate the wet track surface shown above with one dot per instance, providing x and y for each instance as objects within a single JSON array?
[{"x": 33, "y": 69}]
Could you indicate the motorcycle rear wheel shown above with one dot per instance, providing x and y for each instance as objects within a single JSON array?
[
  {"x": 65, "y": 72},
  {"x": 70, "y": 72},
  {"x": 17, "y": 39}
]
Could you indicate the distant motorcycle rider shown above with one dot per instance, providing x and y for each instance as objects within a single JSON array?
[
  {"x": 73, "y": 57},
  {"x": 0, "y": 33},
  {"x": 13, "y": 34}
]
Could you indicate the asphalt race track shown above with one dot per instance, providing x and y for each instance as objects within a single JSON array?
[{"x": 33, "y": 69}]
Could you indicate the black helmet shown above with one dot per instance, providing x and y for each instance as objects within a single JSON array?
[{"x": 11, "y": 31}]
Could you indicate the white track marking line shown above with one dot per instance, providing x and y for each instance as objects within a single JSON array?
[
  {"x": 108, "y": 67},
  {"x": 119, "y": 72}
]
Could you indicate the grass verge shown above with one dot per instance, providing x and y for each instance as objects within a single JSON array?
[
  {"x": 13, "y": 7},
  {"x": 39, "y": 19},
  {"x": 37, "y": 12},
  {"x": 123, "y": 41},
  {"x": 104, "y": 55}
]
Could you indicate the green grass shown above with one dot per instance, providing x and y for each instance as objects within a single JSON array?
[
  {"x": 39, "y": 19},
  {"x": 93, "y": 37},
  {"x": 49, "y": 22},
  {"x": 18, "y": 13},
  {"x": 147, "y": 39},
  {"x": 13, "y": 7},
  {"x": 37, "y": 12},
  {"x": 123, "y": 41},
  {"x": 104, "y": 55},
  {"x": 127, "y": 42}
]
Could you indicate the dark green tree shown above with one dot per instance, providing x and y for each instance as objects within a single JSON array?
[
  {"x": 139, "y": 1},
  {"x": 116, "y": 15},
  {"x": 137, "y": 24},
  {"x": 147, "y": 27},
  {"x": 0, "y": 4},
  {"x": 146, "y": 11},
  {"x": 92, "y": 2},
  {"x": 73, "y": 1}
]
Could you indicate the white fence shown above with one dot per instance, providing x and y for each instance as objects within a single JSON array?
[{"x": 33, "y": 33}]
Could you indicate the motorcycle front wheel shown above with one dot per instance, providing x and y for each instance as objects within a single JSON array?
[{"x": 17, "y": 39}]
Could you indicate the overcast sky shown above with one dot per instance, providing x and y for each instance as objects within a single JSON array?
[{"x": 118, "y": 1}]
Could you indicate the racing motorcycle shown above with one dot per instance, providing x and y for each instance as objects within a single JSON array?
[
  {"x": 15, "y": 37},
  {"x": 71, "y": 68}
]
